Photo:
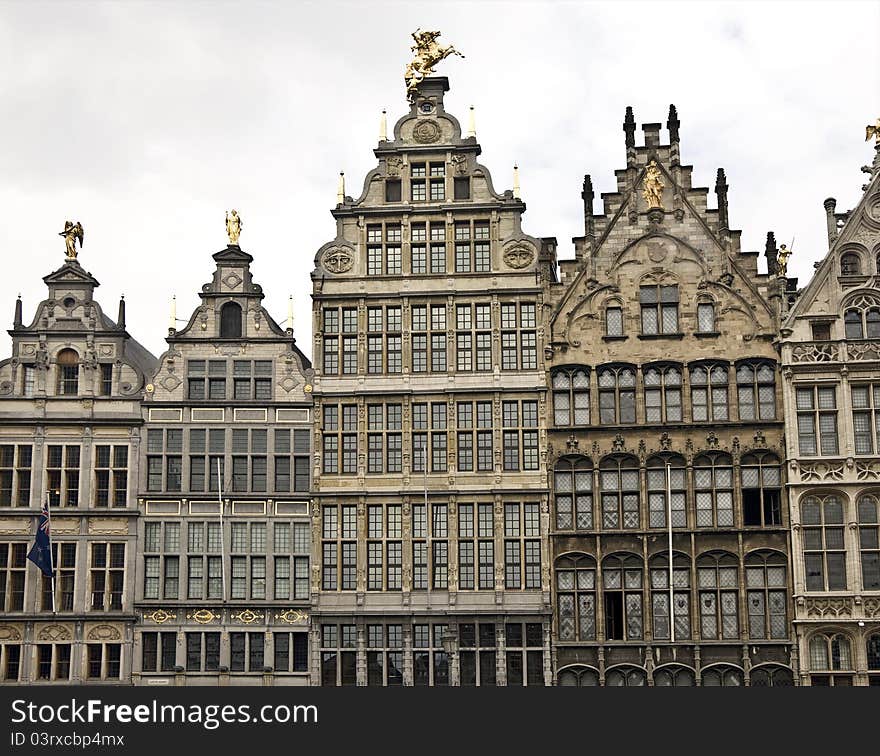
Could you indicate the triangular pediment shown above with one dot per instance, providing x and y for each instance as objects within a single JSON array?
[
  {"x": 233, "y": 254},
  {"x": 71, "y": 272}
]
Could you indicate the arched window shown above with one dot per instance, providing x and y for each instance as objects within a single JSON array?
[
  {"x": 230, "y": 321},
  {"x": 766, "y": 595},
  {"x": 578, "y": 677},
  {"x": 717, "y": 583},
  {"x": 573, "y": 491},
  {"x": 662, "y": 394},
  {"x": 613, "y": 320},
  {"x": 824, "y": 550},
  {"x": 873, "y": 648},
  {"x": 667, "y": 474},
  {"x": 761, "y": 482},
  {"x": 771, "y": 676},
  {"x": 68, "y": 372},
  {"x": 756, "y": 391},
  {"x": 681, "y": 595},
  {"x": 617, "y": 395},
  {"x": 619, "y": 484},
  {"x": 705, "y": 317},
  {"x": 850, "y": 264},
  {"x": 674, "y": 675},
  {"x": 709, "y": 392},
  {"x": 721, "y": 676},
  {"x": 659, "y": 309},
  {"x": 576, "y": 597},
  {"x": 852, "y": 322},
  {"x": 869, "y": 542},
  {"x": 713, "y": 488},
  {"x": 626, "y": 676},
  {"x": 622, "y": 597},
  {"x": 571, "y": 397},
  {"x": 830, "y": 653}
]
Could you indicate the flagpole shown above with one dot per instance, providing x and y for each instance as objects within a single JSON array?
[
  {"x": 51, "y": 560},
  {"x": 669, "y": 519},
  {"x": 222, "y": 533}
]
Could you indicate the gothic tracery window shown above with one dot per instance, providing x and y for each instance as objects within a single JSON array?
[
  {"x": 713, "y": 490},
  {"x": 822, "y": 523},
  {"x": 619, "y": 486},
  {"x": 617, "y": 395},
  {"x": 662, "y": 394},
  {"x": 709, "y": 399},
  {"x": 766, "y": 597},
  {"x": 718, "y": 599},
  {"x": 622, "y": 597},
  {"x": 869, "y": 542},
  {"x": 667, "y": 491},
  {"x": 573, "y": 491},
  {"x": 571, "y": 396},
  {"x": 756, "y": 391},
  {"x": 829, "y": 654},
  {"x": 576, "y": 597}
]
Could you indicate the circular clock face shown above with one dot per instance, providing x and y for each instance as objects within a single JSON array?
[{"x": 426, "y": 107}]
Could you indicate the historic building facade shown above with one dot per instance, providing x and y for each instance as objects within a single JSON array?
[
  {"x": 430, "y": 498},
  {"x": 70, "y": 430},
  {"x": 831, "y": 376},
  {"x": 222, "y": 590},
  {"x": 663, "y": 372}
]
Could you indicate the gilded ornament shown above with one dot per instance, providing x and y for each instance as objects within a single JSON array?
[
  {"x": 652, "y": 186},
  {"x": 160, "y": 616},
  {"x": 782, "y": 259},
  {"x": 233, "y": 227},
  {"x": 428, "y": 53},
  {"x": 873, "y": 131},
  {"x": 202, "y": 616},
  {"x": 71, "y": 233}
]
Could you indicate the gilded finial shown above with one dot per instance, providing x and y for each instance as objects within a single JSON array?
[
  {"x": 652, "y": 187},
  {"x": 873, "y": 131},
  {"x": 516, "y": 181},
  {"x": 233, "y": 227},
  {"x": 71, "y": 233},
  {"x": 428, "y": 53},
  {"x": 340, "y": 189}
]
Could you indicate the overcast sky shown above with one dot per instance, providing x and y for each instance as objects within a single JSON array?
[{"x": 147, "y": 121}]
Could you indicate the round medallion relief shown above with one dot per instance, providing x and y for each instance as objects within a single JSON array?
[
  {"x": 337, "y": 260},
  {"x": 426, "y": 132},
  {"x": 518, "y": 256}
]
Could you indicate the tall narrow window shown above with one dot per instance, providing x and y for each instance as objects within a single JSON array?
[
  {"x": 681, "y": 596},
  {"x": 869, "y": 543},
  {"x": 576, "y": 597},
  {"x": 619, "y": 484},
  {"x": 573, "y": 490},
  {"x": 667, "y": 490},
  {"x": 822, "y": 529},
  {"x": 613, "y": 321},
  {"x": 617, "y": 396},
  {"x": 767, "y": 598},
  {"x": 230, "y": 321},
  {"x": 866, "y": 418},
  {"x": 850, "y": 265},
  {"x": 571, "y": 397},
  {"x": 718, "y": 596},
  {"x": 662, "y": 395},
  {"x": 756, "y": 391},
  {"x": 761, "y": 483},
  {"x": 709, "y": 398},
  {"x": 106, "y": 379},
  {"x": 622, "y": 597},
  {"x": 68, "y": 372},
  {"x": 713, "y": 490},
  {"x": 817, "y": 420},
  {"x": 705, "y": 317}
]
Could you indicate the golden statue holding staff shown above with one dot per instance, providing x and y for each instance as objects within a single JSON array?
[
  {"x": 428, "y": 52},
  {"x": 233, "y": 227},
  {"x": 873, "y": 131},
  {"x": 653, "y": 186},
  {"x": 72, "y": 231},
  {"x": 782, "y": 259}
]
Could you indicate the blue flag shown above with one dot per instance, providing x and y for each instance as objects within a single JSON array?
[{"x": 41, "y": 552}]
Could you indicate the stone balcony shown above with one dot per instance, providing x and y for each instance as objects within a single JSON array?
[{"x": 861, "y": 350}]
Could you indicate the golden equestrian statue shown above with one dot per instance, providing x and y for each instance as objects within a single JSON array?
[
  {"x": 873, "y": 131},
  {"x": 428, "y": 53},
  {"x": 233, "y": 227},
  {"x": 72, "y": 231},
  {"x": 653, "y": 186}
]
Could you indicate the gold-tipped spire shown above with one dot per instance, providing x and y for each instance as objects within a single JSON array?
[
  {"x": 233, "y": 227},
  {"x": 383, "y": 127},
  {"x": 472, "y": 124},
  {"x": 340, "y": 189},
  {"x": 516, "y": 181}
]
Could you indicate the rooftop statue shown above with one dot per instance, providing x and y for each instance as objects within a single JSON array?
[
  {"x": 233, "y": 227},
  {"x": 72, "y": 231},
  {"x": 428, "y": 52}
]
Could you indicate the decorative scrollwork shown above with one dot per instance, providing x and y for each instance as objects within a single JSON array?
[
  {"x": 815, "y": 352},
  {"x": 426, "y": 132},
  {"x": 821, "y": 471},
  {"x": 160, "y": 616},
  {"x": 863, "y": 350},
  {"x": 830, "y": 607}
]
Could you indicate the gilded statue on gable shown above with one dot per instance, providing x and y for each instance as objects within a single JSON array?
[
  {"x": 233, "y": 227},
  {"x": 873, "y": 131},
  {"x": 652, "y": 187},
  {"x": 428, "y": 52},
  {"x": 71, "y": 233}
]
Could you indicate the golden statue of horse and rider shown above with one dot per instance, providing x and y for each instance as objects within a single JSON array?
[{"x": 428, "y": 52}]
